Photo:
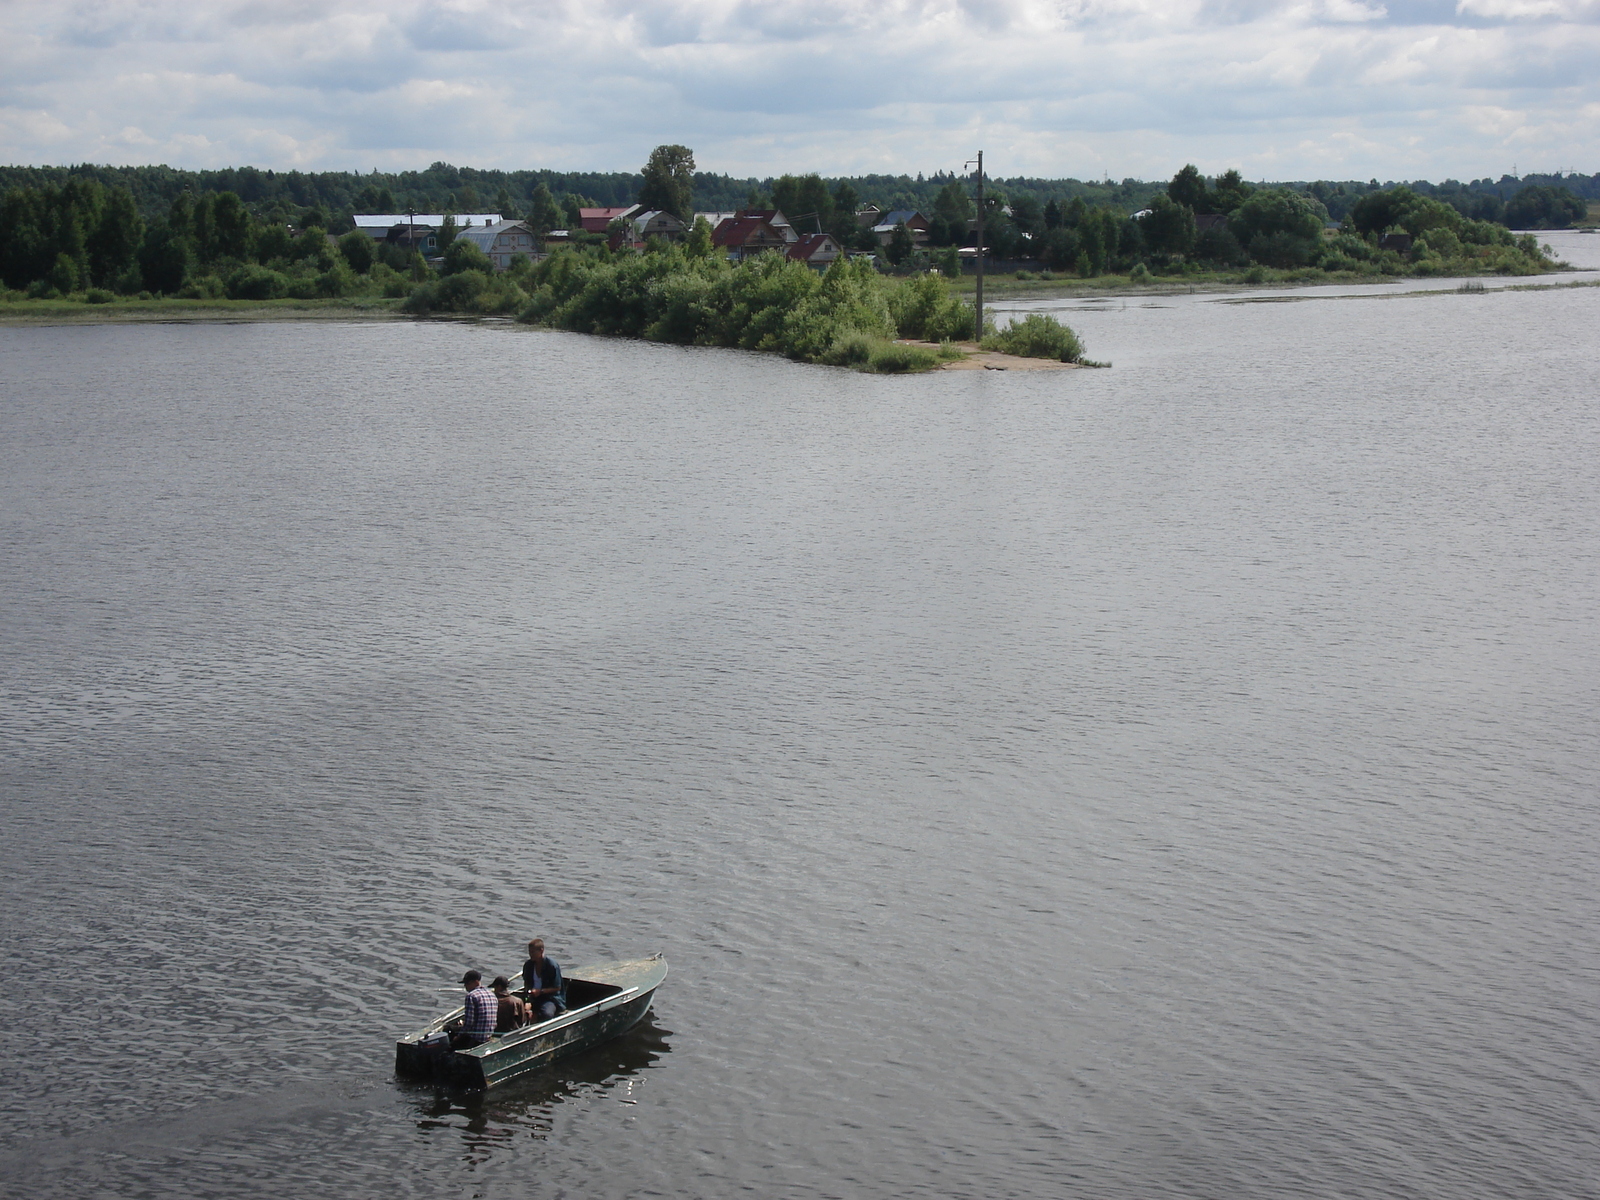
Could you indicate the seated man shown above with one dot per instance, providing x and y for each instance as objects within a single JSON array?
[
  {"x": 477, "y": 1022},
  {"x": 547, "y": 992},
  {"x": 513, "y": 1010}
]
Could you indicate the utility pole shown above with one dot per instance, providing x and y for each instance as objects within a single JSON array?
[{"x": 978, "y": 334}]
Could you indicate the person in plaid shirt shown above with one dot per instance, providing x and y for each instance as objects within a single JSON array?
[{"x": 477, "y": 1022}]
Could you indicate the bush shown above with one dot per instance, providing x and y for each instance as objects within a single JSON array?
[
  {"x": 99, "y": 296},
  {"x": 464, "y": 256},
  {"x": 206, "y": 287},
  {"x": 252, "y": 282},
  {"x": 846, "y": 316},
  {"x": 467, "y": 292},
  {"x": 1139, "y": 274},
  {"x": 1037, "y": 336}
]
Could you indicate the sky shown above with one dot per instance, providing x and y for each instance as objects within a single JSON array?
[{"x": 1281, "y": 89}]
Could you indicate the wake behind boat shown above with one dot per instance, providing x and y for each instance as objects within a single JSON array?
[{"x": 603, "y": 1001}]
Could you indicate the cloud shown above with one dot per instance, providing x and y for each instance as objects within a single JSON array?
[{"x": 1296, "y": 88}]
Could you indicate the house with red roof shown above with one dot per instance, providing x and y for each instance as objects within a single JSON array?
[
  {"x": 598, "y": 220},
  {"x": 816, "y": 249},
  {"x": 742, "y": 237}
]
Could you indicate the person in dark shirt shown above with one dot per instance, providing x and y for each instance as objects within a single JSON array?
[
  {"x": 541, "y": 976},
  {"x": 514, "y": 1012}
]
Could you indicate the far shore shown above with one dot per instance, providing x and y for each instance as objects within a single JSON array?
[{"x": 996, "y": 288}]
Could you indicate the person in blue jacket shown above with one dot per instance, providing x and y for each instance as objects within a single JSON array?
[{"x": 541, "y": 976}]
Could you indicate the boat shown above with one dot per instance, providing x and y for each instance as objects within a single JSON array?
[{"x": 603, "y": 1001}]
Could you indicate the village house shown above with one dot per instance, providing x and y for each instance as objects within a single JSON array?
[
  {"x": 377, "y": 225},
  {"x": 598, "y": 220},
  {"x": 742, "y": 237},
  {"x": 771, "y": 216},
  {"x": 815, "y": 249},
  {"x": 504, "y": 242},
  {"x": 916, "y": 224},
  {"x": 657, "y": 223}
]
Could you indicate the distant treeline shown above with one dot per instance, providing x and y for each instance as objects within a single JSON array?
[
  {"x": 282, "y": 197},
  {"x": 83, "y": 237}
]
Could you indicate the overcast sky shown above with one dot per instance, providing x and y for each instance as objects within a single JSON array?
[{"x": 1282, "y": 89}]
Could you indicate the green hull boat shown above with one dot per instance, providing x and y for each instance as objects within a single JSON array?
[{"x": 602, "y": 1001}]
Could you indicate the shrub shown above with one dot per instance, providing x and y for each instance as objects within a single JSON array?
[
  {"x": 99, "y": 296},
  {"x": 206, "y": 287},
  {"x": 464, "y": 256},
  {"x": 1139, "y": 274},
  {"x": 257, "y": 283},
  {"x": 1037, "y": 336}
]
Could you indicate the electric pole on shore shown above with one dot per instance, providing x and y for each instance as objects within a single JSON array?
[{"x": 978, "y": 335}]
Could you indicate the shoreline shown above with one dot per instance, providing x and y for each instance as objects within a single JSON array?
[{"x": 23, "y": 313}]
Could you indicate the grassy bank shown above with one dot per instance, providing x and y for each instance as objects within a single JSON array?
[{"x": 75, "y": 310}]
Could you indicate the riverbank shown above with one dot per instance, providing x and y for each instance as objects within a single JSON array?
[
  {"x": 134, "y": 311},
  {"x": 1031, "y": 285}
]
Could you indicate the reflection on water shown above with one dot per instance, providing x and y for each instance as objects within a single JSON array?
[{"x": 527, "y": 1105}]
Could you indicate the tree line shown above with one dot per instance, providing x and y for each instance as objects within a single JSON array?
[
  {"x": 81, "y": 235},
  {"x": 284, "y": 197}
]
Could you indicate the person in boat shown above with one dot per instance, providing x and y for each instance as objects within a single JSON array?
[
  {"x": 478, "y": 1019},
  {"x": 541, "y": 976},
  {"x": 513, "y": 1010}
]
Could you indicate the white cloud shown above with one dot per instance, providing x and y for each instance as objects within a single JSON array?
[{"x": 1294, "y": 88}]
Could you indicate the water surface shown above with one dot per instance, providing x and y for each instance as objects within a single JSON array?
[{"x": 1176, "y": 780}]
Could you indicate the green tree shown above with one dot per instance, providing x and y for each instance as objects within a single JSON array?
[
  {"x": 1169, "y": 228},
  {"x": 543, "y": 212},
  {"x": 571, "y": 208},
  {"x": 464, "y": 255},
  {"x": 447, "y": 232},
  {"x": 813, "y": 200},
  {"x": 357, "y": 250},
  {"x": 698, "y": 244},
  {"x": 1544, "y": 208},
  {"x": 1229, "y": 192},
  {"x": 1188, "y": 188},
  {"x": 232, "y": 227},
  {"x": 166, "y": 259},
  {"x": 669, "y": 181},
  {"x": 1028, "y": 214},
  {"x": 786, "y": 195},
  {"x": 1278, "y": 227},
  {"x": 901, "y": 245}
]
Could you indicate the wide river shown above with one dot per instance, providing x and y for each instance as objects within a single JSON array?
[{"x": 1179, "y": 780}]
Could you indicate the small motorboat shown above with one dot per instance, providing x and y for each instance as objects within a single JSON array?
[{"x": 603, "y": 1001}]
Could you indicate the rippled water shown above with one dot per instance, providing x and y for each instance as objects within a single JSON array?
[{"x": 1177, "y": 780}]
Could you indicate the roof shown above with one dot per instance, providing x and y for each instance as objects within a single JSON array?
[
  {"x": 809, "y": 245},
  {"x": 483, "y": 236},
  {"x": 736, "y": 231},
  {"x": 386, "y": 221},
  {"x": 595, "y": 220},
  {"x": 906, "y": 215}
]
